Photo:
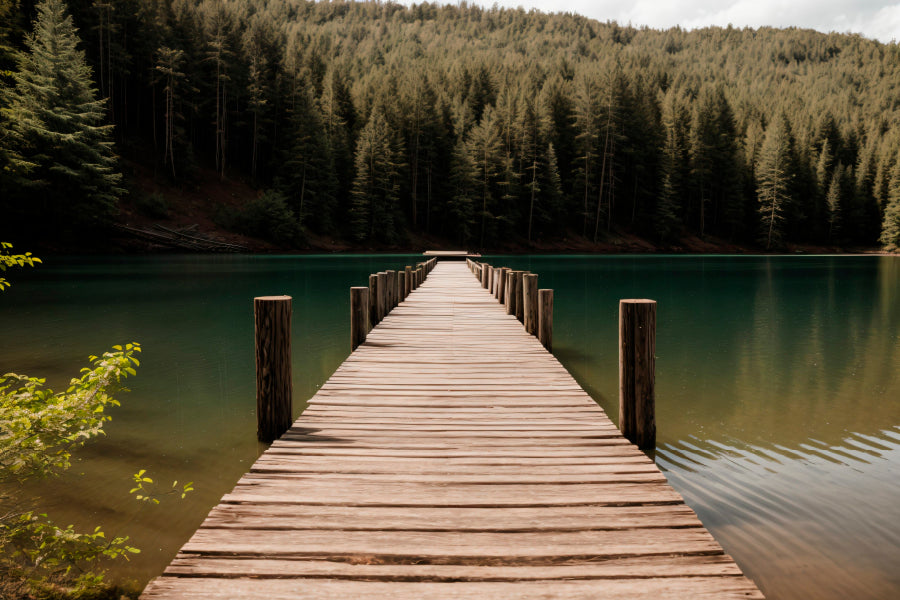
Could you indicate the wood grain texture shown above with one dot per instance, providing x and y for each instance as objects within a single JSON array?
[
  {"x": 452, "y": 456},
  {"x": 274, "y": 391},
  {"x": 637, "y": 371}
]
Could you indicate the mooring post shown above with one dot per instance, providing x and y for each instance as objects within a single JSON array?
[
  {"x": 545, "y": 318},
  {"x": 373, "y": 300},
  {"x": 637, "y": 366},
  {"x": 409, "y": 287},
  {"x": 359, "y": 316},
  {"x": 501, "y": 285},
  {"x": 381, "y": 301},
  {"x": 485, "y": 275},
  {"x": 399, "y": 276},
  {"x": 520, "y": 290},
  {"x": 272, "y": 320},
  {"x": 421, "y": 274},
  {"x": 530, "y": 303},
  {"x": 510, "y": 292},
  {"x": 391, "y": 290}
]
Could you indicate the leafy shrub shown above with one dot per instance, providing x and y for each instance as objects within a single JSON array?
[
  {"x": 152, "y": 205},
  {"x": 267, "y": 217}
]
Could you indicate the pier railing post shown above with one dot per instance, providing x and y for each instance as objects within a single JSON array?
[
  {"x": 381, "y": 302},
  {"x": 373, "y": 300},
  {"x": 359, "y": 316},
  {"x": 272, "y": 320},
  {"x": 501, "y": 285},
  {"x": 510, "y": 293},
  {"x": 520, "y": 289},
  {"x": 530, "y": 303},
  {"x": 391, "y": 291},
  {"x": 408, "y": 275},
  {"x": 545, "y": 318},
  {"x": 637, "y": 365}
]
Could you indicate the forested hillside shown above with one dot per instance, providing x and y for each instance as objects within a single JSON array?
[{"x": 369, "y": 121}]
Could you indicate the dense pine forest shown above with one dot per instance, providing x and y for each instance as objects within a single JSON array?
[{"x": 374, "y": 122}]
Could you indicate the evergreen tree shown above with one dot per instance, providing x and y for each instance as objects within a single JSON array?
[
  {"x": 890, "y": 229},
  {"x": 376, "y": 190},
  {"x": 773, "y": 181},
  {"x": 60, "y": 148},
  {"x": 309, "y": 179}
]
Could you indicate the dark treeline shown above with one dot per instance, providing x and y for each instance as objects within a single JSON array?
[{"x": 371, "y": 120}]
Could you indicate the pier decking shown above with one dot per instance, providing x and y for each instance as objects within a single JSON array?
[{"x": 452, "y": 456}]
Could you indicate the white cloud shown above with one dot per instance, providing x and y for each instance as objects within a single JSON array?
[{"x": 878, "y": 19}]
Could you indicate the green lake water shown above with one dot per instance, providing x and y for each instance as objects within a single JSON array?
[{"x": 778, "y": 390}]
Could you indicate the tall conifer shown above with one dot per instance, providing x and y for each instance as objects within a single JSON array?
[{"x": 61, "y": 149}]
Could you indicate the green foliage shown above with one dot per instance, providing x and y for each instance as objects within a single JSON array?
[
  {"x": 8, "y": 260},
  {"x": 890, "y": 230},
  {"x": 39, "y": 430},
  {"x": 152, "y": 205},
  {"x": 773, "y": 179},
  {"x": 146, "y": 490},
  {"x": 285, "y": 92},
  {"x": 266, "y": 217},
  {"x": 40, "y": 427},
  {"x": 60, "y": 152}
]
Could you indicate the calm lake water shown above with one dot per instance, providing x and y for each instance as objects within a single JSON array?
[{"x": 778, "y": 390}]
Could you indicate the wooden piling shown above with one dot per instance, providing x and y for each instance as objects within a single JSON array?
[
  {"x": 510, "y": 293},
  {"x": 545, "y": 318},
  {"x": 398, "y": 287},
  {"x": 391, "y": 291},
  {"x": 501, "y": 285},
  {"x": 381, "y": 301},
  {"x": 373, "y": 300},
  {"x": 359, "y": 316},
  {"x": 637, "y": 365},
  {"x": 530, "y": 303},
  {"x": 409, "y": 286},
  {"x": 520, "y": 288},
  {"x": 272, "y": 318}
]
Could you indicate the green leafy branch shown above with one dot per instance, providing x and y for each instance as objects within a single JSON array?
[
  {"x": 146, "y": 490},
  {"x": 8, "y": 260}
]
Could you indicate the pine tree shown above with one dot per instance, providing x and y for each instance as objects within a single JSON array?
[
  {"x": 60, "y": 147},
  {"x": 890, "y": 228},
  {"x": 773, "y": 180},
  {"x": 485, "y": 147},
  {"x": 833, "y": 201},
  {"x": 376, "y": 190},
  {"x": 310, "y": 183}
]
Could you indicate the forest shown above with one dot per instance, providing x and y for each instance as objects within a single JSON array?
[{"x": 374, "y": 121}]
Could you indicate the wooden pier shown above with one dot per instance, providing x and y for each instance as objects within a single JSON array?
[{"x": 452, "y": 456}]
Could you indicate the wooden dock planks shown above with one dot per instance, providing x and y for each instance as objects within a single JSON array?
[{"x": 451, "y": 456}]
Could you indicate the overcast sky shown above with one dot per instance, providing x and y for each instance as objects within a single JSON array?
[{"x": 878, "y": 19}]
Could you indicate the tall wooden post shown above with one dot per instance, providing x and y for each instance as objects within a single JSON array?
[
  {"x": 501, "y": 285},
  {"x": 373, "y": 300},
  {"x": 409, "y": 285},
  {"x": 398, "y": 287},
  {"x": 391, "y": 291},
  {"x": 381, "y": 302},
  {"x": 510, "y": 293},
  {"x": 545, "y": 318},
  {"x": 637, "y": 366},
  {"x": 421, "y": 274},
  {"x": 530, "y": 303},
  {"x": 272, "y": 318},
  {"x": 520, "y": 288},
  {"x": 359, "y": 316}
]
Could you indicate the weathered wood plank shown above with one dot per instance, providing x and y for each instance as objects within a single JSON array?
[{"x": 720, "y": 588}]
